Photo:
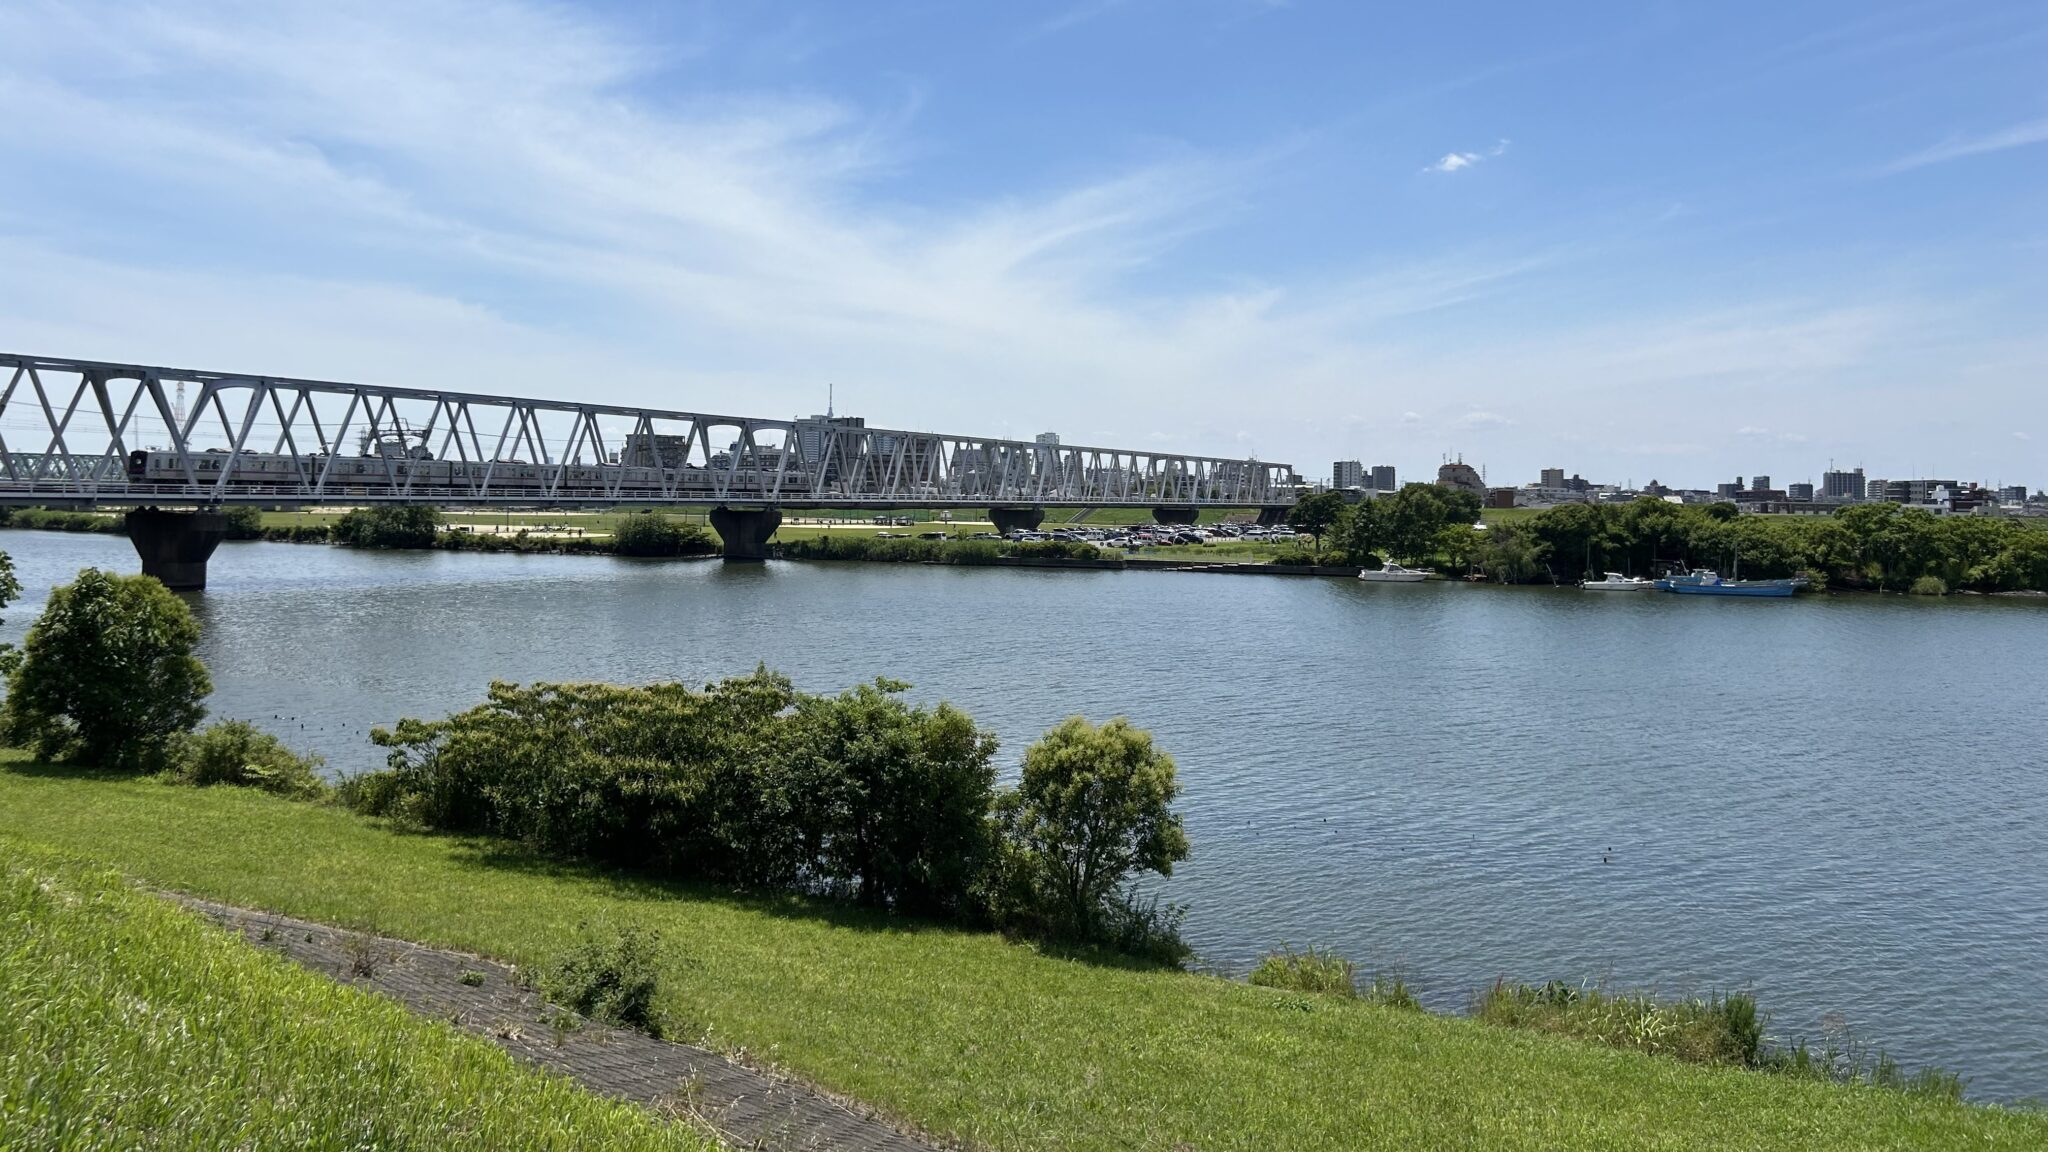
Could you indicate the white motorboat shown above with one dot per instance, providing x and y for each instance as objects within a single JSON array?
[
  {"x": 1394, "y": 574},
  {"x": 1616, "y": 582}
]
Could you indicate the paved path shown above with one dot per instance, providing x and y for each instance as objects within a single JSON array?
[{"x": 749, "y": 1109}]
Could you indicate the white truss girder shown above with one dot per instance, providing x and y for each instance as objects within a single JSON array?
[{"x": 275, "y": 440}]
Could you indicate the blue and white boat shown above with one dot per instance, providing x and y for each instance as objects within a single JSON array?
[{"x": 1704, "y": 582}]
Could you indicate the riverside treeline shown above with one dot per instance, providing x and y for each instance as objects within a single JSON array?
[{"x": 1876, "y": 546}]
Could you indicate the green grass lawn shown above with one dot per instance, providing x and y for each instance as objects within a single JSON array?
[
  {"x": 970, "y": 1036},
  {"x": 131, "y": 1023}
]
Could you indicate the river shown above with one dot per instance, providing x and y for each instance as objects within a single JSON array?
[{"x": 1838, "y": 802}]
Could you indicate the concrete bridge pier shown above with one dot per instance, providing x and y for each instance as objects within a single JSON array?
[
  {"x": 1272, "y": 516},
  {"x": 1013, "y": 519},
  {"x": 1176, "y": 515},
  {"x": 174, "y": 546},
  {"x": 745, "y": 531}
]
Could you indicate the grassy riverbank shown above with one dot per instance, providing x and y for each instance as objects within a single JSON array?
[
  {"x": 971, "y": 1036},
  {"x": 132, "y": 1023}
]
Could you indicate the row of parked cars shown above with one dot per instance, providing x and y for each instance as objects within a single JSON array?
[{"x": 1157, "y": 535}]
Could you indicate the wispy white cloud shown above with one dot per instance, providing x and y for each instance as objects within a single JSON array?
[
  {"x": 1459, "y": 161},
  {"x": 1955, "y": 148}
]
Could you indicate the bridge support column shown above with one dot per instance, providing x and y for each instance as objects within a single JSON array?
[
  {"x": 174, "y": 546},
  {"x": 1272, "y": 516},
  {"x": 1176, "y": 515},
  {"x": 1008, "y": 520},
  {"x": 745, "y": 531}
]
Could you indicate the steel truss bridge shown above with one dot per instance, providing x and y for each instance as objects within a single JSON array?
[{"x": 85, "y": 433}]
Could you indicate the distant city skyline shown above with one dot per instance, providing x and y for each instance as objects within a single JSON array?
[{"x": 1632, "y": 241}]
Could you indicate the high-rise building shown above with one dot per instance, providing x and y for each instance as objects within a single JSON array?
[
  {"x": 1799, "y": 491},
  {"x": 2015, "y": 494},
  {"x": 1552, "y": 478},
  {"x": 1383, "y": 478},
  {"x": 1050, "y": 439},
  {"x": 1729, "y": 491},
  {"x": 815, "y": 435},
  {"x": 1759, "y": 483},
  {"x": 1876, "y": 488},
  {"x": 1842, "y": 485},
  {"x": 1347, "y": 474}
]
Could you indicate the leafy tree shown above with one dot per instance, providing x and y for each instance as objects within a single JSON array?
[
  {"x": 1361, "y": 533},
  {"x": 1316, "y": 515},
  {"x": 1513, "y": 554},
  {"x": 107, "y": 675},
  {"x": 9, "y": 586},
  {"x": 892, "y": 801},
  {"x": 1093, "y": 807},
  {"x": 1414, "y": 518},
  {"x": 389, "y": 526},
  {"x": 245, "y": 522},
  {"x": 1576, "y": 536}
]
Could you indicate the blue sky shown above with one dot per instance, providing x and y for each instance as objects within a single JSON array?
[{"x": 1639, "y": 240}]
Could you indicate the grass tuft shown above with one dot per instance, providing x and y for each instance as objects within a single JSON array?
[{"x": 1324, "y": 973}]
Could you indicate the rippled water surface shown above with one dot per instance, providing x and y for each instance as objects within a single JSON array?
[{"x": 1839, "y": 802}]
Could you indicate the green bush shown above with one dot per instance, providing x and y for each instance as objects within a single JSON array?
[
  {"x": 107, "y": 676},
  {"x": 652, "y": 534},
  {"x": 1930, "y": 586},
  {"x": 388, "y": 526},
  {"x": 611, "y": 976},
  {"x": 1307, "y": 971},
  {"x": 237, "y": 752},
  {"x": 890, "y": 801},
  {"x": 1092, "y": 809}
]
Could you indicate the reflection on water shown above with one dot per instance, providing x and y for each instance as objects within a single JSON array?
[{"x": 1837, "y": 802}]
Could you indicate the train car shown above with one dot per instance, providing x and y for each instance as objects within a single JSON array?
[{"x": 420, "y": 475}]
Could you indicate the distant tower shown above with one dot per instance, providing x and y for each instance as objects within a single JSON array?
[{"x": 181, "y": 403}]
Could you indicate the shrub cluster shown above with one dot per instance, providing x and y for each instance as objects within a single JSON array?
[
  {"x": 52, "y": 520},
  {"x": 237, "y": 752},
  {"x": 859, "y": 796},
  {"x": 653, "y": 534},
  {"x": 388, "y": 526},
  {"x": 612, "y": 976}
]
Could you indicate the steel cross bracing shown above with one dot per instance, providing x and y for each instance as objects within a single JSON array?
[{"x": 84, "y": 432}]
